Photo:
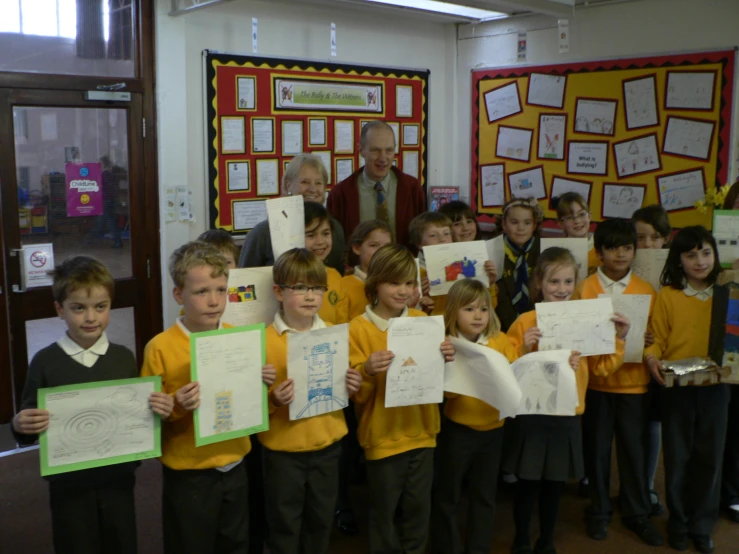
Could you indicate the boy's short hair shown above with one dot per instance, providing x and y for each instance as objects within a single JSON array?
[
  {"x": 315, "y": 211},
  {"x": 391, "y": 263},
  {"x": 422, "y": 222},
  {"x": 80, "y": 272},
  {"x": 299, "y": 265},
  {"x": 612, "y": 233},
  {"x": 221, "y": 240},
  {"x": 563, "y": 203},
  {"x": 656, "y": 216},
  {"x": 196, "y": 254}
]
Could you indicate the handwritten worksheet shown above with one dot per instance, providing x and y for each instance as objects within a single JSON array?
[
  {"x": 578, "y": 248},
  {"x": 590, "y": 158},
  {"x": 640, "y": 102},
  {"x": 482, "y": 373},
  {"x": 98, "y": 424},
  {"x": 317, "y": 362},
  {"x": 250, "y": 297},
  {"x": 547, "y": 90},
  {"x": 636, "y": 308},
  {"x": 449, "y": 263},
  {"x": 649, "y": 263},
  {"x": 416, "y": 374},
  {"x": 502, "y": 102},
  {"x": 581, "y": 325},
  {"x": 637, "y": 155},
  {"x": 547, "y": 382},
  {"x": 286, "y": 216},
  {"x": 681, "y": 190},
  {"x": 690, "y": 90},
  {"x": 561, "y": 185},
  {"x": 233, "y": 398}
]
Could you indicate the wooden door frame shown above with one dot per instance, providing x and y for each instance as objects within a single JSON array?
[{"x": 148, "y": 290}]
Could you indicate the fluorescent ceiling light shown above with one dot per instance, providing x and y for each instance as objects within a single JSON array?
[{"x": 443, "y": 7}]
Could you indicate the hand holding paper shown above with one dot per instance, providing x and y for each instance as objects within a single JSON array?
[
  {"x": 284, "y": 393},
  {"x": 353, "y": 381},
  {"x": 31, "y": 421},
  {"x": 161, "y": 403},
  {"x": 188, "y": 397},
  {"x": 269, "y": 375}
]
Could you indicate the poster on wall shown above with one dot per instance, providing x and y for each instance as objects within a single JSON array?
[
  {"x": 84, "y": 189},
  {"x": 438, "y": 196}
]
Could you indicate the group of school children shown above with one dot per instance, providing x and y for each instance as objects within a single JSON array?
[{"x": 415, "y": 481}]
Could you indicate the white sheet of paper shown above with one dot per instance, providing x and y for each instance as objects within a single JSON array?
[
  {"x": 246, "y": 92},
  {"x": 548, "y": 384},
  {"x": 547, "y": 90},
  {"x": 238, "y": 175},
  {"x": 726, "y": 232},
  {"x": 502, "y": 102},
  {"x": 286, "y": 216},
  {"x": 528, "y": 183},
  {"x": 496, "y": 254},
  {"x": 578, "y": 247},
  {"x": 344, "y": 168},
  {"x": 292, "y": 138},
  {"x": 561, "y": 185},
  {"x": 552, "y": 133},
  {"x": 482, "y": 373},
  {"x": 621, "y": 200},
  {"x": 317, "y": 362},
  {"x": 493, "y": 186},
  {"x": 410, "y": 135},
  {"x": 268, "y": 181},
  {"x": 636, "y": 308},
  {"x": 233, "y": 138},
  {"x": 250, "y": 297},
  {"x": 343, "y": 137},
  {"x": 640, "y": 100},
  {"x": 325, "y": 156},
  {"x": 514, "y": 143},
  {"x": 588, "y": 157},
  {"x": 88, "y": 424},
  {"x": 690, "y": 90},
  {"x": 581, "y": 325},
  {"x": 229, "y": 365},
  {"x": 248, "y": 213},
  {"x": 317, "y": 132},
  {"x": 649, "y": 263},
  {"x": 595, "y": 116},
  {"x": 403, "y": 101},
  {"x": 263, "y": 135},
  {"x": 681, "y": 190},
  {"x": 688, "y": 137},
  {"x": 448, "y": 263},
  {"x": 637, "y": 156},
  {"x": 410, "y": 162},
  {"x": 254, "y": 35},
  {"x": 416, "y": 375}
]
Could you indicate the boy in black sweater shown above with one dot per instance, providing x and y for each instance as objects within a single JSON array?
[{"x": 92, "y": 510}]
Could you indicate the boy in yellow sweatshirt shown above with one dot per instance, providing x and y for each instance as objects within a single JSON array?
[
  {"x": 301, "y": 456},
  {"x": 204, "y": 500},
  {"x": 398, "y": 442},
  {"x": 618, "y": 403}
]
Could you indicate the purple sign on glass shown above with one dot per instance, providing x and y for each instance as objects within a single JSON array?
[{"x": 84, "y": 189}]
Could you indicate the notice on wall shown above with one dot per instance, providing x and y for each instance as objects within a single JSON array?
[
  {"x": 84, "y": 189},
  {"x": 37, "y": 265}
]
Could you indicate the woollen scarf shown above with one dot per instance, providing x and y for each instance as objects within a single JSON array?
[{"x": 519, "y": 257}]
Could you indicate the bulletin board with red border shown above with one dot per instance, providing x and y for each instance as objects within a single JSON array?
[
  {"x": 261, "y": 111},
  {"x": 624, "y": 133}
]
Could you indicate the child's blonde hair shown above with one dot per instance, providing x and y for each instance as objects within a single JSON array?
[
  {"x": 551, "y": 258},
  {"x": 196, "y": 254},
  {"x": 463, "y": 293},
  {"x": 391, "y": 263},
  {"x": 80, "y": 272},
  {"x": 563, "y": 204},
  {"x": 422, "y": 222},
  {"x": 299, "y": 265}
]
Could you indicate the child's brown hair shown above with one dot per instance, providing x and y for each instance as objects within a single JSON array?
[
  {"x": 299, "y": 265},
  {"x": 422, "y": 222},
  {"x": 656, "y": 216},
  {"x": 463, "y": 293},
  {"x": 529, "y": 203},
  {"x": 456, "y": 210},
  {"x": 221, "y": 240},
  {"x": 196, "y": 254},
  {"x": 80, "y": 272},
  {"x": 360, "y": 234},
  {"x": 564, "y": 203},
  {"x": 553, "y": 257},
  {"x": 391, "y": 263}
]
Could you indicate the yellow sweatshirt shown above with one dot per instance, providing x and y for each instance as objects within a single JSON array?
[
  {"x": 680, "y": 325},
  {"x": 632, "y": 378},
  {"x": 356, "y": 301},
  {"x": 302, "y": 435},
  {"x": 385, "y": 432},
  {"x": 168, "y": 355},
  {"x": 475, "y": 413},
  {"x": 334, "y": 307},
  {"x": 591, "y": 365},
  {"x": 594, "y": 262}
]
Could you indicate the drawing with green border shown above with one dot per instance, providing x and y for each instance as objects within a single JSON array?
[
  {"x": 99, "y": 424},
  {"x": 227, "y": 363}
]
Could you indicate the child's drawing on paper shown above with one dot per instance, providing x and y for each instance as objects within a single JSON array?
[
  {"x": 321, "y": 397},
  {"x": 242, "y": 293}
]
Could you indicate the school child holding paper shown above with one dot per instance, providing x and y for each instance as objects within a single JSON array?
[
  {"x": 653, "y": 230},
  {"x": 364, "y": 242},
  {"x": 544, "y": 451},
  {"x": 520, "y": 223},
  {"x": 204, "y": 500},
  {"x": 398, "y": 442},
  {"x": 318, "y": 240},
  {"x": 694, "y": 417},
  {"x": 573, "y": 217},
  {"x": 618, "y": 403},
  {"x": 301, "y": 457},
  {"x": 471, "y": 445},
  {"x": 92, "y": 510}
]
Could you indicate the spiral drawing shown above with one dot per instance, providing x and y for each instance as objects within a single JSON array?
[{"x": 88, "y": 429}]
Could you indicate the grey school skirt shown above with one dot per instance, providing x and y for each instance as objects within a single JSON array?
[{"x": 544, "y": 447}]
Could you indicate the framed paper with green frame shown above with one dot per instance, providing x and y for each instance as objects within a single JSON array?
[
  {"x": 233, "y": 398},
  {"x": 99, "y": 424},
  {"x": 726, "y": 233}
]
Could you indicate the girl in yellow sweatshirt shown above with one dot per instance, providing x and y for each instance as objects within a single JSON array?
[
  {"x": 471, "y": 444},
  {"x": 544, "y": 451},
  {"x": 398, "y": 442},
  {"x": 694, "y": 417}
]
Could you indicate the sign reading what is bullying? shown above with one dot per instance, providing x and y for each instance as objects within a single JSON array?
[{"x": 84, "y": 189}]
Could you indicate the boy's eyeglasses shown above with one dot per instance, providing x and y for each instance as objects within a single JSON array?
[
  {"x": 302, "y": 290},
  {"x": 583, "y": 215}
]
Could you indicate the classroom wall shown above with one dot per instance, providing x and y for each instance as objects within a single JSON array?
[
  {"x": 287, "y": 30},
  {"x": 620, "y": 29}
]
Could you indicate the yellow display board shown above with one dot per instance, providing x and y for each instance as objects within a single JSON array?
[{"x": 623, "y": 133}]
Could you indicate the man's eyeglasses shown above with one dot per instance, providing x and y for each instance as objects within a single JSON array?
[
  {"x": 302, "y": 290},
  {"x": 582, "y": 216}
]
